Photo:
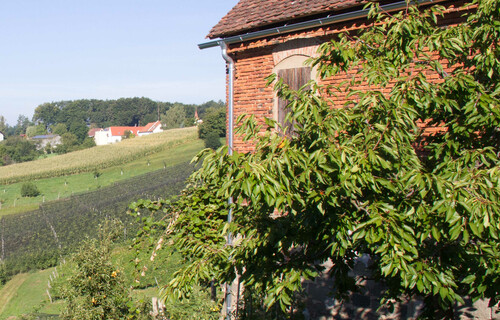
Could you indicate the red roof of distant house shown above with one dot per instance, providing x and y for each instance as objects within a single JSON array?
[
  {"x": 120, "y": 131},
  {"x": 151, "y": 126},
  {"x": 93, "y": 131},
  {"x": 254, "y": 14}
]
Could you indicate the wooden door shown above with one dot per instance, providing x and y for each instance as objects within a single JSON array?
[{"x": 294, "y": 78}]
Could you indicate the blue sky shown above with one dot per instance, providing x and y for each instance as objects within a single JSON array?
[{"x": 56, "y": 50}]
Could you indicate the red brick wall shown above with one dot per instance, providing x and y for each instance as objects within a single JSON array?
[{"x": 254, "y": 62}]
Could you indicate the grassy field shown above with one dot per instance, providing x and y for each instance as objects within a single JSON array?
[
  {"x": 64, "y": 186},
  {"x": 96, "y": 158},
  {"x": 25, "y": 293}
]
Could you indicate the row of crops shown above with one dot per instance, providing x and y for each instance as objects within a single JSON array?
[
  {"x": 38, "y": 239},
  {"x": 96, "y": 158}
]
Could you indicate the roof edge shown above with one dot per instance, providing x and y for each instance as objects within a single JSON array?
[{"x": 342, "y": 17}]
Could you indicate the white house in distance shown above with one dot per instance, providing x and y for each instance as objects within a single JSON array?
[
  {"x": 114, "y": 134},
  {"x": 1, "y": 136}
]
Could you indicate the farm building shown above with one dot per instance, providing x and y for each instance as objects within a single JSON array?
[
  {"x": 262, "y": 37},
  {"x": 43, "y": 141},
  {"x": 115, "y": 134},
  {"x": 91, "y": 133}
]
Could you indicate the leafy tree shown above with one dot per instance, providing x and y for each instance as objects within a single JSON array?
[
  {"x": 69, "y": 139},
  {"x": 214, "y": 121},
  {"x": 3, "y": 273},
  {"x": 59, "y": 129},
  {"x": 22, "y": 124},
  {"x": 88, "y": 143},
  {"x": 128, "y": 134},
  {"x": 69, "y": 143},
  {"x": 18, "y": 149},
  {"x": 4, "y": 156},
  {"x": 32, "y": 131},
  {"x": 210, "y": 105},
  {"x": 72, "y": 112},
  {"x": 175, "y": 117},
  {"x": 364, "y": 177},
  {"x": 79, "y": 129},
  {"x": 46, "y": 114},
  {"x": 97, "y": 290},
  {"x": 3, "y": 125}
]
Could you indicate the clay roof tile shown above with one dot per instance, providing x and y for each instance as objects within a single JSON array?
[{"x": 248, "y": 15}]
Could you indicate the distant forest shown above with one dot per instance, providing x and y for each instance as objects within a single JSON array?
[
  {"x": 72, "y": 120},
  {"x": 105, "y": 113}
]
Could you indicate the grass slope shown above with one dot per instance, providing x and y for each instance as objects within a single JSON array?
[
  {"x": 64, "y": 186},
  {"x": 96, "y": 158},
  {"x": 25, "y": 294},
  {"x": 9, "y": 291}
]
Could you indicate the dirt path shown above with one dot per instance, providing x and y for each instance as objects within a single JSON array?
[{"x": 10, "y": 290}]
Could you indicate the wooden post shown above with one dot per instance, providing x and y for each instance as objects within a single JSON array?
[{"x": 155, "y": 307}]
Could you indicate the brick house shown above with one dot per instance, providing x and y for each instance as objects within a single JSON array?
[{"x": 261, "y": 37}]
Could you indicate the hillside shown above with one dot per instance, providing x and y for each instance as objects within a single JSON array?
[
  {"x": 96, "y": 158},
  {"x": 28, "y": 293},
  {"x": 61, "y": 225},
  {"x": 80, "y": 202},
  {"x": 65, "y": 186},
  {"x": 155, "y": 168}
]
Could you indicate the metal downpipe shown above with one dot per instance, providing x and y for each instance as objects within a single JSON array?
[
  {"x": 230, "y": 143},
  {"x": 230, "y": 68}
]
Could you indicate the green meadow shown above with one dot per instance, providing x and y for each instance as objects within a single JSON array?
[{"x": 65, "y": 186}]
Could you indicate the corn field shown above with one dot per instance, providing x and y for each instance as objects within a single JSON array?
[{"x": 96, "y": 158}]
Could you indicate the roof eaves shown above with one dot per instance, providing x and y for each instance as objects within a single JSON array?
[{"x": 331, "y": 19}]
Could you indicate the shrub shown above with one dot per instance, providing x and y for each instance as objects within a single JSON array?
[
  {"x": 212, "y": 140},
  {"x": 29, "y": 189},
  {"x": 97, "y": 173}
]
